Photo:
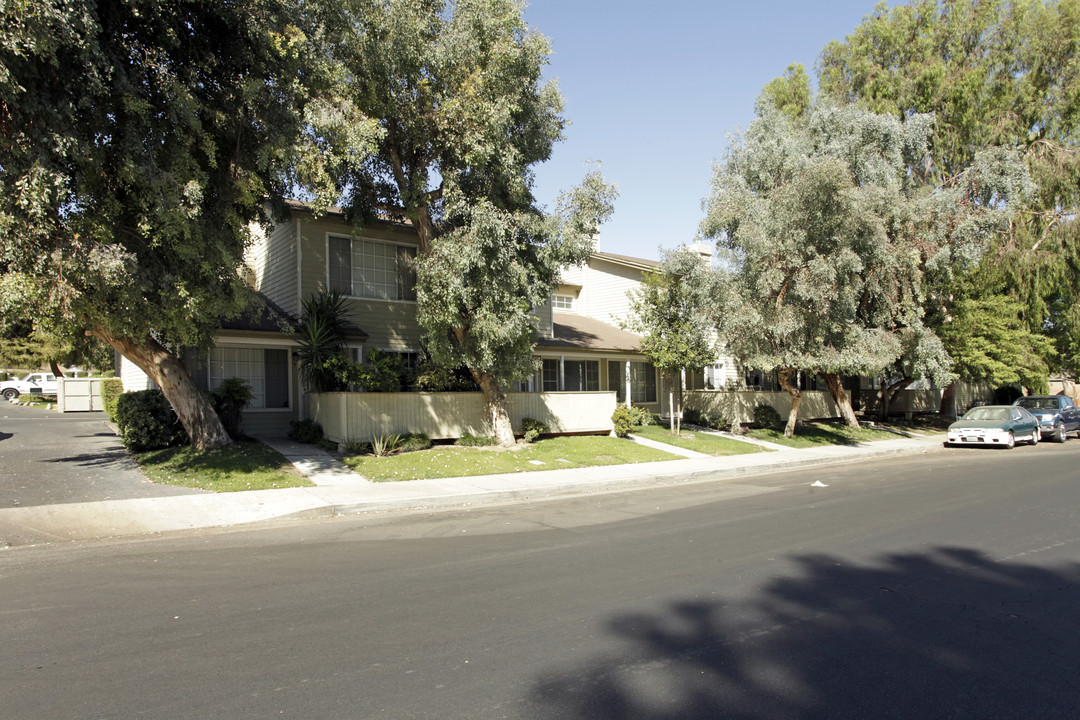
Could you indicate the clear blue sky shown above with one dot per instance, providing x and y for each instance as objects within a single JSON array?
[{"x": 652, "y": 90}]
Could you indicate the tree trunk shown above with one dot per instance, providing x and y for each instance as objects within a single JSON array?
[
  {"x": 496, "y": 405},
  {"x": 840, "y": 397},
  {"x": 671, "y": 403},
  {"x": 55, "y": 368},
  {"x": 191, "y": 406},
  {"x": 784, "y": 376},
  {"x": 889, "y": 394},
  {"x": 948, "y": 400}
]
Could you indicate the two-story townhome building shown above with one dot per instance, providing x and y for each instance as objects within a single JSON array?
[{"x": 580, "y": 346}]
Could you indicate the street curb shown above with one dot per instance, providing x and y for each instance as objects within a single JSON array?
[{"x": 147, "y": 516}]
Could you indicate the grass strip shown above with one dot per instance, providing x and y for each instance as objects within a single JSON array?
[
  {"x": 701, "y": 442},
  {"x": 815, "y": 434},
  {"x": 247, "y": 465},
  {"x": 443, "y": 461}
]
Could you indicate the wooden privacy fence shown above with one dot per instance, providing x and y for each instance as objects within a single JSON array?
[
  {"x": 348, "y": 416},
  {"x": 739, "y": 404},
  {"x": 78, "y": 394}
]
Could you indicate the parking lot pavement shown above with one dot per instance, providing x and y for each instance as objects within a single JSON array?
[{"x": 47, "y": 458}]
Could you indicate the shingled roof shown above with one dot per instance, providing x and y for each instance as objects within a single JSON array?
[{"x": 584, "y": 333}]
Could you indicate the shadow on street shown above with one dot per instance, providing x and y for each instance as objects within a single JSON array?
[{"x": 947, "y": 634}]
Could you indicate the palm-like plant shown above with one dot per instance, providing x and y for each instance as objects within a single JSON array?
[{"x": 322, "y": 340}]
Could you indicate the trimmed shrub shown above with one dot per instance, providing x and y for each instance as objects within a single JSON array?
[
  {"x": 415, "y": 441},
  {"x": 147, "y": 421},
  {"x": 355, "y": 447},
  {"x": 623, "y": 420},
  {"x": 305, "y": 431},
  {"x": 111, "y": 390},
  {"x": 533, "y": 428},
  {"x": 475, "y": 440},
  {"x": 229, "y": 400},
  {"x": 766, "y": 416}
]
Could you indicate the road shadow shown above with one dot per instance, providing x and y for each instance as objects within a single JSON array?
[
  {"x": 119, "y": 456},
  {"x": 950, "y": 633},
  {"x": 6, "y": 435}
]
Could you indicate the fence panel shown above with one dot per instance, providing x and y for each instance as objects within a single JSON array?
[
  {"x": 78, "y": 395},
  {"x": 442, "y": 416}
]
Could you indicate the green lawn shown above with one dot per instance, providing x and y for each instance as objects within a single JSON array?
[
  {"x": 246, "y": 466},
  {"x": 699, "y": 441},
  {"x": 546, "y": 454},
  {"x": 824, "y": 433}
]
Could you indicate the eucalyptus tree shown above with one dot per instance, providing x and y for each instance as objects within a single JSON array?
[
  {"x": 465, "y": 114},
  {"x": 829, "y": 239},
  {"x": 140, "y": 141},
  {"x": 673, "y": 308},
  {"x": 996, "y": 73}
]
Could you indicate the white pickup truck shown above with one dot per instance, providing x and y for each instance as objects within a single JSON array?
[{"x": 39, "y": 383}]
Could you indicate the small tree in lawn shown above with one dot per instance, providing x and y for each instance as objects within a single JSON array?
[{"x": 673, "y": 309}]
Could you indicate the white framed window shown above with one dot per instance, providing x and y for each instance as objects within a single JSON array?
[
  {"x": 371, "y": 269},
  {"x": 265, "y": 370},
  {"x": 562, "y": 302}
]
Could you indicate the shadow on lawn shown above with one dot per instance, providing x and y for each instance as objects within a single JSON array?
[{"x": 946, "y": 634}]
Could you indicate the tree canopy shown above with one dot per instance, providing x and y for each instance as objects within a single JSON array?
[
  {"x": 1000, "y": 73},
  {"x": 140, "y": 141},
  {"x": 673, "y": 309},
  {"x": 465, "y": 115},
  {"x": 828, "y": 239}
]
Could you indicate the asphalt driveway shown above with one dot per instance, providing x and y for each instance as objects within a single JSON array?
[{"x": 48, "y": 458}]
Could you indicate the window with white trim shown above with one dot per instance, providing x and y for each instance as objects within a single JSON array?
[
  {"x": 562, "y": 302},
  {"x": 265, "y": 370},
  {"x": 371, "y": 269}
]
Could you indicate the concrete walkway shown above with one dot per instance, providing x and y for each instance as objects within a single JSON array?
[{"x": 339, "y": 491}]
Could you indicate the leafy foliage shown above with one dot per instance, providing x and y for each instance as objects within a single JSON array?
[
  {"x": 321, "y": 338},
  {"x": 380, "y": 372},
  {"x": 469, "y": 440},
  {"x": 622, "y": 420},
  {"x": 147, "y": 422},
  {"x": 229, "y": 399},
  {"x": 458, "y": 88},
  {"x": 831, "y": 243},
  {"x": 111, "y": 390},
  {"x": 142, "y": 141},
  {"x": 533, "y": 428},
  {"x": 765, "y": 416},
  {"x": 996, "y": 73},
  {"x": 305, "y": 431}
]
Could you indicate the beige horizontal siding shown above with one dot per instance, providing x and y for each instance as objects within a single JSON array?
[{"x": 361, "y": 416}]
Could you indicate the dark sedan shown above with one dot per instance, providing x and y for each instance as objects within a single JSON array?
[{"x": 1057, "y": 414}]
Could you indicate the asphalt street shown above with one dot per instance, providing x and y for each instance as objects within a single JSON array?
[
  {"x": 940, "y": 586},
  {"x": 48, "y": 458}
]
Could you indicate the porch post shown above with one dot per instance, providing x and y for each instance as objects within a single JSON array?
[{"x": 628, "y": 403}]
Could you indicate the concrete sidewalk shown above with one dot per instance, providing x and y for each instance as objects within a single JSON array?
[{"x": 339, "y": 491}]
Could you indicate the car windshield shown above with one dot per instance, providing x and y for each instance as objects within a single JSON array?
[
  {"x": 985, "y": 413},
  {"x": 1037, "y": 402}
]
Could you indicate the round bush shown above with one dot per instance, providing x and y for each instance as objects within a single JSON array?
[
  {"x": 766, "y": 416},
  {"x": 147, "y": 421}
]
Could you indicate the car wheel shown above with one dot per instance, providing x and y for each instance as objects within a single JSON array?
[
  {"x": 1011, "y": 442},
  {"x": 1059, "y": 433},
  {"x": 10, "y": 394},
  {"x": 1035, "y": 436}
]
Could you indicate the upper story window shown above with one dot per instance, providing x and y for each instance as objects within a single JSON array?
[
  {"x": 562, "y": 302},
  {"x": 372, "y": 269}
]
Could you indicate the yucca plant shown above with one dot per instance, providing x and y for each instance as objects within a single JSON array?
[{"x": 383, "y": 445}]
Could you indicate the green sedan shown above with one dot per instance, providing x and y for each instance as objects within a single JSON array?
[{"x": 1001, "y": 425}]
